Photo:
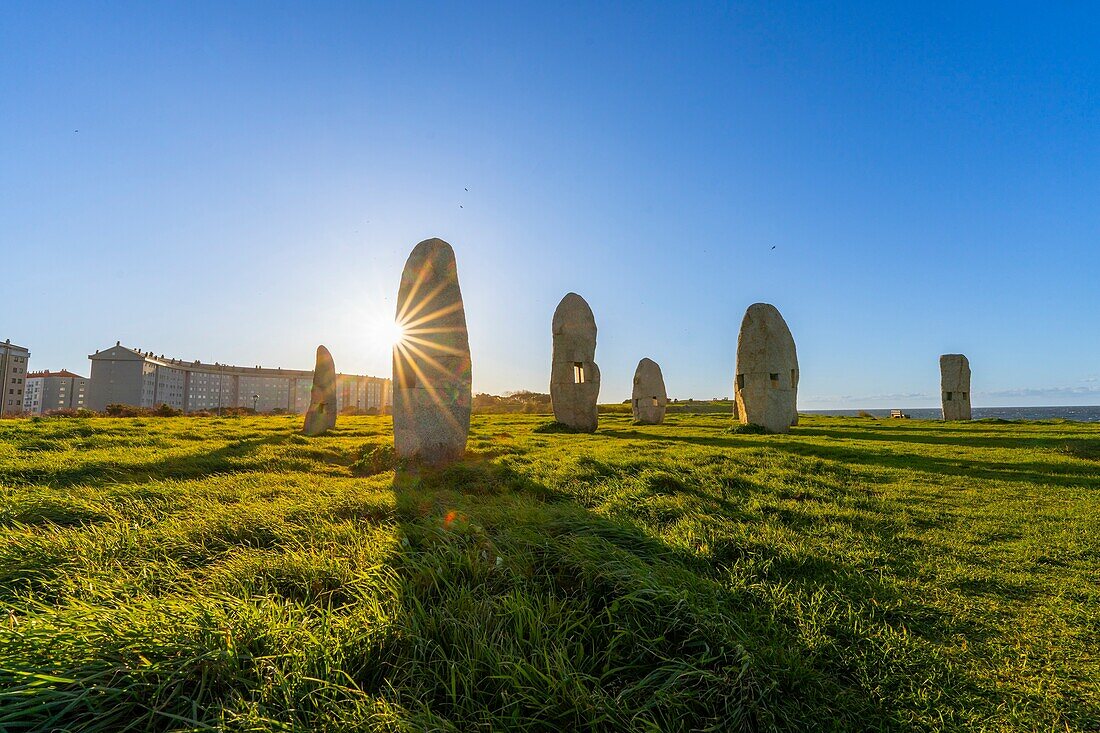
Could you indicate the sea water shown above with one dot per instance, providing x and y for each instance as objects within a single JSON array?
[{"x": 1080, "y": 414}]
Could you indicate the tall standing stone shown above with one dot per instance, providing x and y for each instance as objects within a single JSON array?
[
  {"x": 766, "y": 384},
  {"x": 574, "y": 376},
  {"x": 431, "y": 363},
  {"x": 955, "y": 386},
  {"x": 649, "y": 398},
  {"x": 321, "y": 415}
]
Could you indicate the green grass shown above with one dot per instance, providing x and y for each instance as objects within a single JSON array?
[{"x": 217, "y": 573}]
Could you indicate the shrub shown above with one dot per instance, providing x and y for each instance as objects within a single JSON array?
[
  {"x": 554, "y": 427},
  {"x": 750, "y": 429},
  {"x": 374, "y": 459},
  {"x": 69, "y": 412},
  {"x": 120, "y": 410}
]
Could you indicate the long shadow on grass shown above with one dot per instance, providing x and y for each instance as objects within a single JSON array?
[
  {"x": 962, "y": 438},
  {"x": 235, "y": 457},
  {"x": 522, "y": 609},
  {"x": 1029, "y": 472}
]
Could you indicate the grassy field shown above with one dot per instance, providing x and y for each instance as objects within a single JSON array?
[{"x": 228, "y": 573}]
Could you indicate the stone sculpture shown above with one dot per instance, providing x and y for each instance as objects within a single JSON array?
[
  {"x": 431, "y": 362},
  {"x": 321, "y": 415},
  {"x": 649, "y": 397},
  {"x": 574, "y": 376},
  {"x": 955, "y": 386},
  {"x": 766, "y": 385}
]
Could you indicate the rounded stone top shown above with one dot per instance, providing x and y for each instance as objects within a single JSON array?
[
  {"x": 647, "y": 367},
  {"x": 433, "y": 253},
  {"x": 766, "y": 317},
  {"x": 763, "y": 310},
  {"x": 324, "y": 359},
  {"x": 433, "y": 244},
  {"x": 573, "y": 315},
  {"x": 648, "y": 371},
  {"x": 765, "y": 342}
]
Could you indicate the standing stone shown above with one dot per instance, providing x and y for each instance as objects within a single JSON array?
[
  {"x": 574, "y": 376},
  {"x": 649, "y": 397},
  {"x": 321, "y": 415},
  {"x": 955, "y": 386},
  {"x": 431, "y": 363},
  {"x": 766, "y": 384}
]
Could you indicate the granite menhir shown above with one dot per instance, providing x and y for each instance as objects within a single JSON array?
[
  {"x": 574, "y": 376},
  {"x": 431, "y": 362},
  {"x": 767, "y": 371},
  {"x": 321, "y": 415},
  {"x": 955, "y": 386},
  {"x": 649, "y": 398}
]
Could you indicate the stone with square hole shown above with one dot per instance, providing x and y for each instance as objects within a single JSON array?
[
  {"x": 649, "y": 398},
  {"x": 574, "y": 376},
  {"x": 766, "y": 381}
]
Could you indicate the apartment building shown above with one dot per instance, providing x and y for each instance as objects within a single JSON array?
[
  {"x": 47, "y": 391},
  {"x": 121, "y": 375},
  {"x": 13, "y": 373}
]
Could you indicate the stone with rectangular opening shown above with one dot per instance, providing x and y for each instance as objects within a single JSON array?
[
  {"x": 574, "y": 374},
  {"x": 955, "y": 386},
  {"x": 762, "y": 397},
  {"x": 649, "y": 397}
]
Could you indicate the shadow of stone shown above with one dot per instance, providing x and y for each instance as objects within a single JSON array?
[
  {"x": 232, "y": 458},
  {"x": 1029, "y": 472},
  {"x": 483, "y": 529},
  {"x": 1000, "y": 590},
  {"x": 962, "y": 438}
]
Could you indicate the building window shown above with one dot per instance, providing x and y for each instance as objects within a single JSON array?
[
  {"x": 740, "y": 381},
  {"x": 578, "y": 372},
  {"x": 946, "y": 396}
]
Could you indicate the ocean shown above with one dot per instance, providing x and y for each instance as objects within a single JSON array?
[{"x": 1089, "y": 413}]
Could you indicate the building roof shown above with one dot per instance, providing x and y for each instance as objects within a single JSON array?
[
  {"x": 9, "y": 345},
  {"x": 48, "y": 373}
]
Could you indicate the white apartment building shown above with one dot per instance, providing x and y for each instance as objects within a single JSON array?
[
  {"x": 47, "y": 391},
  {"x": 13, "y": 373},
  {"x": 121, "y": 375}
]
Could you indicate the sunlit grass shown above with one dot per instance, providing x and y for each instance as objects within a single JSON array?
[{"x": 179, "y": 574}]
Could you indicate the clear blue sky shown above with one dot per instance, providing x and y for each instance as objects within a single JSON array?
[{"x": 248, "y": 179}]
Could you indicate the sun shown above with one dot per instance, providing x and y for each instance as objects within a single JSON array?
[{"x": 395, "y": 333}]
